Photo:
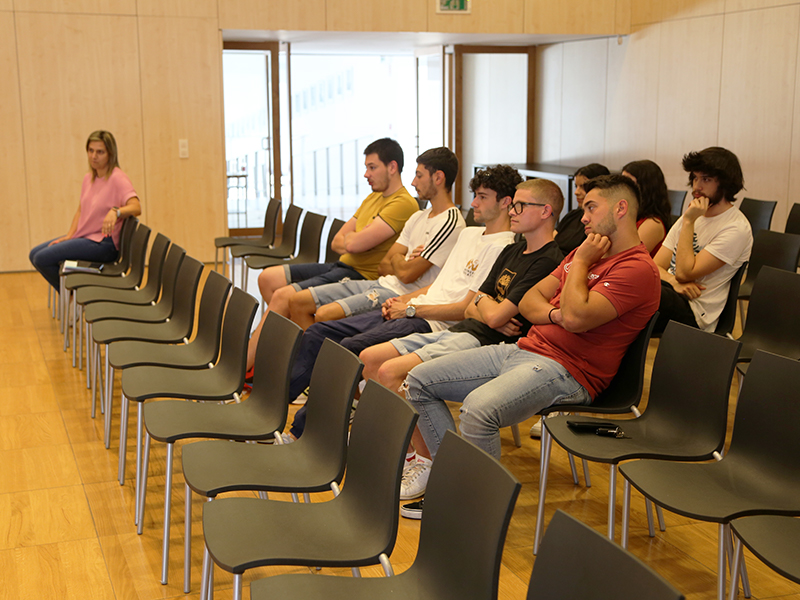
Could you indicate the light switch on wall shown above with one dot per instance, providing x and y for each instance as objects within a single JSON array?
[{"x": 183, "y": 148}]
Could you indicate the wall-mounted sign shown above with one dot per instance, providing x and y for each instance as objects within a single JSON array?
[{"x": 458, "y": 7}]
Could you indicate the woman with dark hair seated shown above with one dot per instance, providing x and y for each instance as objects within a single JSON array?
[
  {"x": 654, "y": 206},
  {"x": 570, "y": 231}
]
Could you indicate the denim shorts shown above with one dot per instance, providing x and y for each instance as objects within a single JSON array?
[
  {"x": 435, "y": 344},
  {"x": 355, "y": 297},
  {"x": 310, "y": 274}
]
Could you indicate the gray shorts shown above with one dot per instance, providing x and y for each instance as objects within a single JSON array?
[
  {"x": 355, "y": 297},
  {"x": 433, "y": 345}
]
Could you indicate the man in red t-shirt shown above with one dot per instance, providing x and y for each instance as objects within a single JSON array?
[{"x": 585, "y": 315}]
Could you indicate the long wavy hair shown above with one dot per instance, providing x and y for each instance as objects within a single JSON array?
[{"x": 654, "y": 199}]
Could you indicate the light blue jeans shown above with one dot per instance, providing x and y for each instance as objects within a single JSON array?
[
  {"x": 355, "y": 297},
  {"x": 498, "y": 386}
]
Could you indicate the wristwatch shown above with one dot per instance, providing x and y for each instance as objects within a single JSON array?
[
  {"x": 478, "y": 298},
  {"x": 411, "y": 310},
  {"x": 117, "y": 210}
]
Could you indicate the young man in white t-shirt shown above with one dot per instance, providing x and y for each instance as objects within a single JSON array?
[
  {"x": 413, "y": 261},
  {"x": 707, "y": 245}
]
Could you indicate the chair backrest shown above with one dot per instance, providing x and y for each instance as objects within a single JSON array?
[
  {"x": 310, "y": 238},
  {"x": 577, "y": 563},
  {"x": 689, "y": 389},
  {"x": 676, "y": 200},
  {"x": 772, "y": 248},
  {"x": 422, "y": 202},
  {"x": 330, "y": 395},
  {"x": 727, "y": 318},
  {"x": 793, "y": 220},
  {"x": 289, "y": 234},
  {"x": 138, "y": 253},
  {"x": 270, "y": 222},
  {"x": 625, "y": 389},
  {"x": 172, "y": 266},
  {"x": 758, "y": 212},
  {"x": 470, "y": 219},
  {"x": 461, "y": 543},
  {"x": 376, "y": 454},
  {"x": 765, "y": 440},
  {"x": 209, "y": 317},
  {"x": 123, "y": 262},
  {"x": 236, "y": 327},
  {"x": 330, "y": 254},
  {"x": 184, "y": 293},
  {"x": 773, "y": 318},
  {"x": 155, "y": 264},
  {"x": 277, "y": 348}
]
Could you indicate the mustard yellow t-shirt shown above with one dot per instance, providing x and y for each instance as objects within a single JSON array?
[{"x": 395, "y": 211}]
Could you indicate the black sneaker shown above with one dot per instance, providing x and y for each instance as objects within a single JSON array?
[{"x": 412, "y": 510}]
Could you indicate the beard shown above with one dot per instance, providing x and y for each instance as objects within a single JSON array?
[{"x": 717, "y": 198}]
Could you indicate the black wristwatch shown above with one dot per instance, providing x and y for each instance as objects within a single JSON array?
[{"x": 411, "y": 310}]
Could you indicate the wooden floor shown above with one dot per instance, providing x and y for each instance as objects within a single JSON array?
[{"x": 66, "y": 525}]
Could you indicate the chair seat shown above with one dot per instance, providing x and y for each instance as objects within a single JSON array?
[
  {"x": 255, "y": 261},
  {"x": 409, "y": 585},
  {"x": 224, "y": 242},
  {"x": 125, "y": 354},
  {"x": 239, "y": 251},
  {"x": 115, "y": 330},
  {"x": 92, "y": 294},
  {"x": 142, "y": 383},
  {"x": 717, "y": 492},
  {"x": 150, "y": 313},
  {"x": 331, "y": 535},
  {"x": 214, "y": 467},
  {"x": 774, "y": 540},
  {"x": 642, "y": 440},
  {"x": 172, "y": 420}
]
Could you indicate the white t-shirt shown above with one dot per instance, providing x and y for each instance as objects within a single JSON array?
[
  {"x": 467, "y": 266},
  {"x": 727, "y": 237},
  {"x": 437, "y": 234}
]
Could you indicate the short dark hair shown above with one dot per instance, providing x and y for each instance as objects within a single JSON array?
[
  {"x": 592, "y": 170},
  {"x": 653, "y": 195},
  {"x": 616, "y": 185},
  {"x": 387, "y": 150},
  {"x": 501, "y": 179},
  {"x": 440, "y": 159},
  {"x": 720, "y": 163}
]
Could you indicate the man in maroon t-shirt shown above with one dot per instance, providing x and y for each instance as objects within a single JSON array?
[{"x": 585, "y": 315}]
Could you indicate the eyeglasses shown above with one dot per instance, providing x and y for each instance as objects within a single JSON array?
[{"x": 519, "y": 206}]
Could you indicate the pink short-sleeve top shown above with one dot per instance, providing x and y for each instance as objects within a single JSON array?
[{"x": 97, "y": 198}]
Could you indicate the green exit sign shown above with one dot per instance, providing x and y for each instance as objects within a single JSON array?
[{"x": 461, "y": 7}]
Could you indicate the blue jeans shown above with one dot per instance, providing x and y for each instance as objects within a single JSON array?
[
  {"x": 46, "y": 259},
  {"x": 497, "y": 385}
]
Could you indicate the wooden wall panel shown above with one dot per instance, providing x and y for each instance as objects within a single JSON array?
[
  {"x": 688, "y": 92},
  {"x": 758, "y": 84},
  {"x": 181, "y": 99},
  {"x": 14, "y": 238},
  {"x": 177, "y": 8},
  {"x": 498, "y": 16},
  {"x": 272, "y": 15},
  {"x": 645, "y": 11},
  {"x": 575, "y": 16},
  {"x": 547, "y": 103},
  {"x": 685, "y": 9},
  {"x": 6, "y": 5},
  {"x": 583, "y": 118},
  {"x": 622, "y": 17},
  {"x": 632, "y": 100},
  {"x": 87, "y": 7},
  {"x": 72, "y": 85},
  {"x": 367, "y": 15},
  {"x": 794, "y": 173},
  {"x": 738, "y": 5}
]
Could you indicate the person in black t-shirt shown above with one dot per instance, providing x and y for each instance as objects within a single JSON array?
[{"x": 569, "y": 231}]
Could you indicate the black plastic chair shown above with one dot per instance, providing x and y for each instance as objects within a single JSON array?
[
  {"x": 460, "y": 543},
  {"x": 286, "y": 248},
  {"x": 793, "y": 220},
  {"x": 676, "y": 200},
  {"x": 177, "y": 329},
  {"x": 307, "y": 252},
  {"x": 727, "y": 318},
  {"x": 686, "y": 416},
  {"x": 330, "y": 254},
  {"x": 308, "y": 465},
  {"x": 773, "y": 319},
  {"x": 578, "y": 563},
  {"x": 266, "y": 240},
  {"x": 770, "y": 248},
  {"x": 621, "y": 396},
  {"x": 257, "y": 418},
  {"x": 758, "y": 212},
  {"x": 357, "y": 528},
  {"x": 774, "y": 540},
  {"x": 758, "y": 475},
  {"x": 219, "y": 382}
]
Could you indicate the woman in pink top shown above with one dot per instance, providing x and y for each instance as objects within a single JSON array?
[
  {"x": 654, "y": 206},
  {"x": 107, "y": 197}
]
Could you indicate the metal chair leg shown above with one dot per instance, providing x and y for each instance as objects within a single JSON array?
[
  {"x": 544, "y": 460},
  {"x": 662, "y": 526},
  {"x": 167, "y": 511},
  {"x": 648, "y": 508},
  {"x": 139, "y": 467},
  {"x": 587, "y": 478},
  {"x": 612, "y": 500},
  {"x": 721, "y": 567},
  {"x": 123, "y": 438},
  {"x": 237, "y": 586},
  {"x": 626, "y": 512},
  {"x": 74, "y": 327},
  {"x": 187, "y": 540},
  {"x": 572, "y": 468}
]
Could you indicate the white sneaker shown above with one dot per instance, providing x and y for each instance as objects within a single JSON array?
[
  {"x": 536, "y": 429},
  {"x": 415, "y": 479}
]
